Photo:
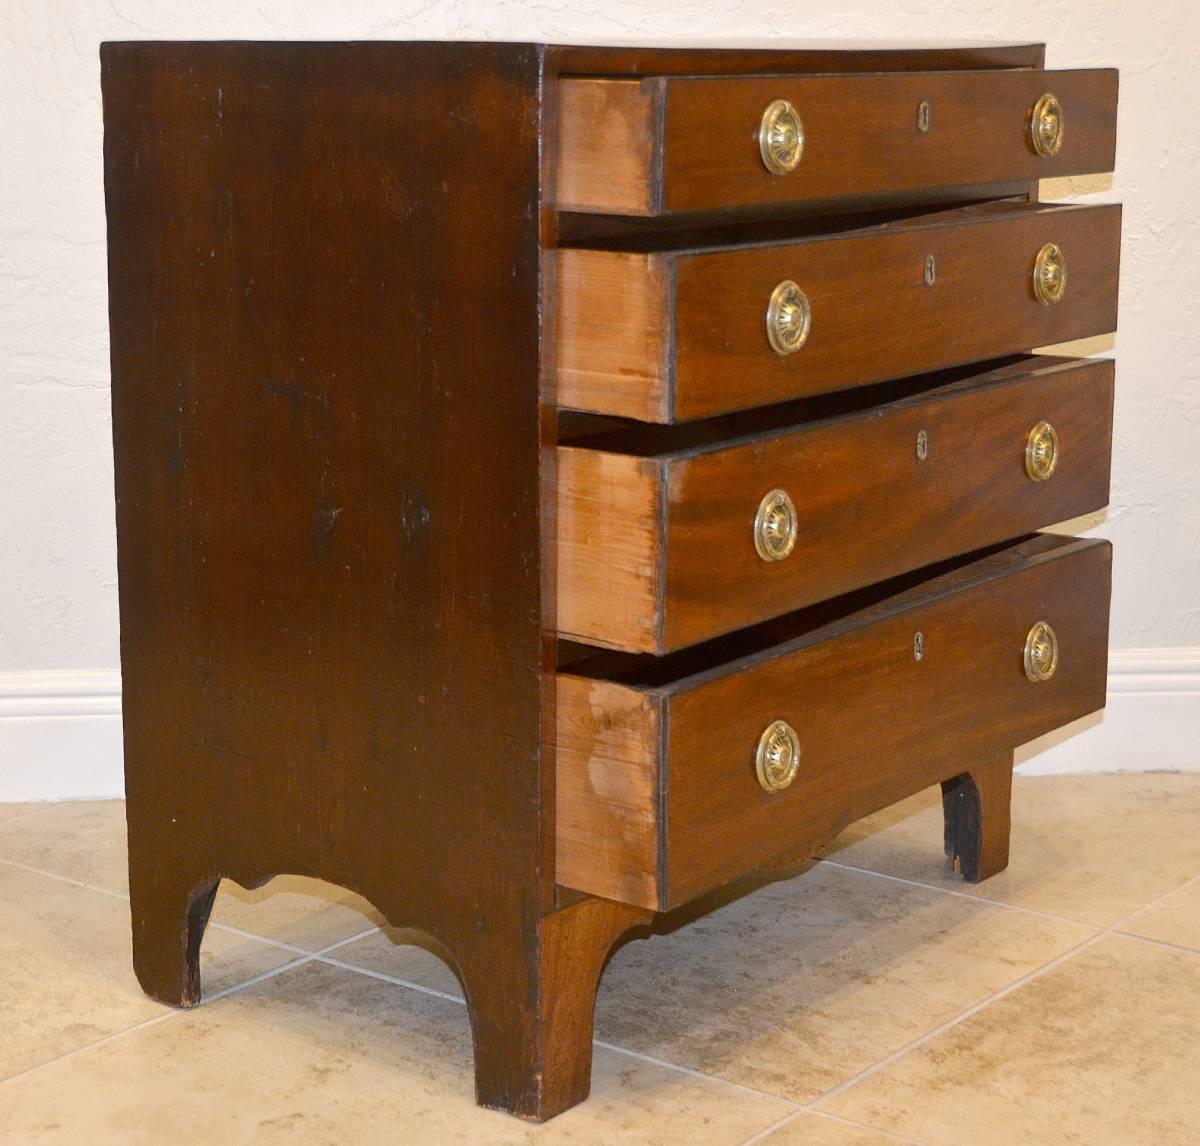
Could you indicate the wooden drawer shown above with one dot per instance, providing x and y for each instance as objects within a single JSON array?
[
  {"x": 675, "y": 334},
  {"x": 660, "y": 145},
  {"x": 658, "y": 799},
  {"x": 657, "y": 527}
]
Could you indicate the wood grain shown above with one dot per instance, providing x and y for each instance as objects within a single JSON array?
[
  {"x": 860, "y": 134},
  {"x": 576, "y": 944},
  {"x": 609, "y": 740},
  {"x": 329, "y": 517},
  {"x": 636, "y": 577},
  {"x": 873, "y": 316},
  {"x": 791, "y": 55},
  {"x": 860, "y": 137},
  {"x": 605, "y": 152},
  {"x": 612, "y": 326},
  {"x": 336, "y": 497},
  {"x": 610, "y": 568},
  {"x": 875, "y": 724}
]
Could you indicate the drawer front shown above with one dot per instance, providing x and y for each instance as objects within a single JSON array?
[
  {"x": 658, "y": 553},
  {"x": 657, "y": 794},
  {"x": 664, "y": 145},
  {"x": 671, "y": 336}
]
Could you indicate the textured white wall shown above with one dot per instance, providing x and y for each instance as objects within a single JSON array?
[{"x": 58, "y": 606}]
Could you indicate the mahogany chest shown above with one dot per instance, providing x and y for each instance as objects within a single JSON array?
[{"x": 553, "y": 482}]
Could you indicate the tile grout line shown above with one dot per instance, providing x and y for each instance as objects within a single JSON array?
[
  {"x": 1118, "y": 928},
  {"x": 212, "y": 925},
  {"x": 1155, "y": 902},
  {"x": 842, "y": 1120},
  {"x": 171, "y": 1013},
  {"x": 65, "y": 879},
  {"x": 672, "y": 1066},
  {"x": 1164, "y": 943},
  {"x": 691, "y": 1072},
  {"x": 767, "y": 1131},
  {"x": 959, "y": 894},
  {"x": 347, "y": 941},
  {"x": 145, "y": 1023},
  {"x": 383, "y": 976},
  {"x": 1024, "y": 980},
  {"x": 962, "y": 1016},
  {"x": 39, "y": 811},
  {"x": 280, "y": 943},
  {"x": 253, "y": 981},
  {"x": 838, "y": 1119},
  {"x": 809, "y": 1107},
  {"x": 175, "y": 1012}
]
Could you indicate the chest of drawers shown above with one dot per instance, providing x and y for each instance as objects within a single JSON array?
[{"x": 554, "y": 482}]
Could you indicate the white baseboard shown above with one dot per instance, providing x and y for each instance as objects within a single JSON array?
[
  {"x": 60, "y": 732},
  {"x": 60, "y": 736},
  {"x": 1151, "y": 724}
]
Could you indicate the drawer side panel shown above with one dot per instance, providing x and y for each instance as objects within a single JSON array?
[
  {"x": 610, "y": 538},
  {"x": 607, "y": 801}
]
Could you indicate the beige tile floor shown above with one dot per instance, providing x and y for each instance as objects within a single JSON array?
[{"x": 872, "y": 999}]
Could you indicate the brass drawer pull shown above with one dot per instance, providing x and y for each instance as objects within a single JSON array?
[
  {"x": 1041, "y": 451},
  {"x": 1046, "y": 125},
  {"x": 789, "y": 318},
  {"x": 1049, "y": 274},
  {"x": 778, "y": 757},
  {"x": 775, "y": 526},
  {"x": 1041, "y": 652},
  {"x": 781, "y": 137}
]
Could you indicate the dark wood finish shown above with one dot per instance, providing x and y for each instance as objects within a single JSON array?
[
  {"x": 576, "y": 943},
  {"x": 332, "y": 274},
  {"x": 666, "y": 145},
  {"x": 873, "y": 317},
  {"x": 875, "y": 723},
  {"x": 791, "y": 56},
  {"x": 978, "y": 811},
  {"x": 327, "y": 490},
  {"x": 657, "y": 552}
]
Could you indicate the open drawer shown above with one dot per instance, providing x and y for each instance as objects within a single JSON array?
[
  {"x": 660, "y": 145},
  {"x": 677, "y": 774},
  {"x": 668, "y": 536},
  {"x": 671, "y": 330}
]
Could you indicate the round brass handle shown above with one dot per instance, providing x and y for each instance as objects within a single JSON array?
[
  {"x": 1049, "y": 274},
  {"x": 780, "y": 137},
  {"x": 778, "y": 757},
  {"x": 1041, "y": 451},
  {"x": 789, "y": 318},
  {"x": 1046, "y": 125},
  {"x": 775, "y": 526},
  {"x": 1041, "y": 652}
]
